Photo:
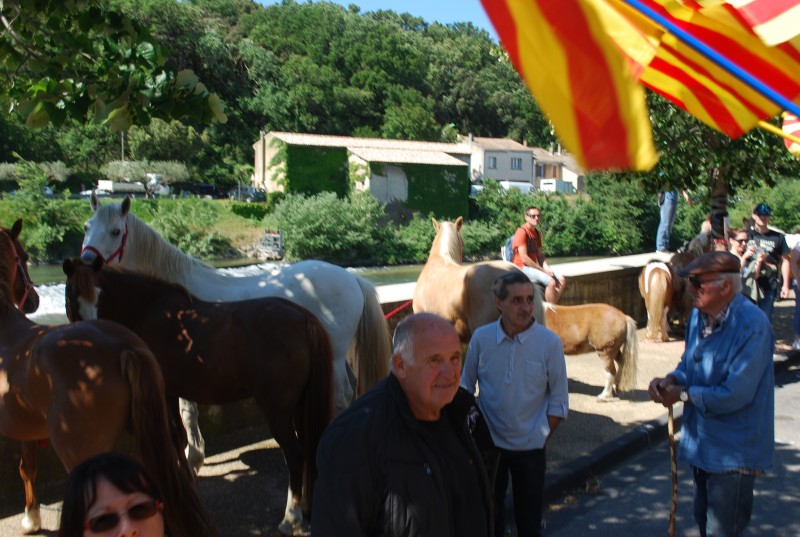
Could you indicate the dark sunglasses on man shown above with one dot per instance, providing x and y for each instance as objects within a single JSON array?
[{"x": 108, "y": 521}]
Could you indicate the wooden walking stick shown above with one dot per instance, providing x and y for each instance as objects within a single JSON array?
[{"x": 673, "y": 514}]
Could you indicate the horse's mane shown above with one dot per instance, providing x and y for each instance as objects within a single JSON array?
[
  {"x": 162, "y": 257},
  {"x": 7, "y": 266},
  {"x": 135, "y": 279},
  {"x": 449, "y": 243}
]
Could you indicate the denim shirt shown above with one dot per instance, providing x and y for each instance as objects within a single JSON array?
[{"x": 730, "y": 377}]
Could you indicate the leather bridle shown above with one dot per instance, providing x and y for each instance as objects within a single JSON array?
[
  {"x": 117, "y": 253},
  {"x": 19, "y": 269}
]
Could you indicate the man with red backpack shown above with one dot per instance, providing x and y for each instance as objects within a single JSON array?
[{"x": 528, "y": 256}]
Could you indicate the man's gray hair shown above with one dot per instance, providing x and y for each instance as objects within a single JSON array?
[
  {"x": 735, "y": 279},
  {"x": 403, "y": 339}
]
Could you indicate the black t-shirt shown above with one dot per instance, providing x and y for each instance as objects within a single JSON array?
[{"x": 774, "y": 245}]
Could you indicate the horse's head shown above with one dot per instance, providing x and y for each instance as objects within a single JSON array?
[
  {"x": 81, "y": 290},
  {"x": 106, "y": 232},
  {"x": 448, "y": 243},
  {"x": 15, "y": 281}
]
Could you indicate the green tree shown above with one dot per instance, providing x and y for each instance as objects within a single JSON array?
[
  {"x": 79, "y": 59},
  {"x": 163, "y": 140}
]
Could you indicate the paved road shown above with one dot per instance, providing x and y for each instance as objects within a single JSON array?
[{"x": 635, "y": 497}]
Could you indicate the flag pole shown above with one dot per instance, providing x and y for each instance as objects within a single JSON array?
[
  {"x": 716, "y": 57},
  {"x": 775, "y": 130}
]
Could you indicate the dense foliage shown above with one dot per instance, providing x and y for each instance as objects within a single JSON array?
[
  {"x": 306, "y": 67},
  {"x": 62, "y": 60}
]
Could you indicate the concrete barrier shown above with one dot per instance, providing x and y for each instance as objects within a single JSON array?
[{"x": 609, "y": 280}]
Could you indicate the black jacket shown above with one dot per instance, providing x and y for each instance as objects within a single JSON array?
[{"x": 380, "y": 470}]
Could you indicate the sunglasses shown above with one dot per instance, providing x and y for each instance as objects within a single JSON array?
[
  {"x": 740, "y": 241},
  {"x": 533, "y": 215},
  {"x": 698, "y": 284},
  {"x": 109, "y": 521}
]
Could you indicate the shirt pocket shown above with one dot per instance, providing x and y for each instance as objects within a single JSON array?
[{"x": 535, "y": 373}]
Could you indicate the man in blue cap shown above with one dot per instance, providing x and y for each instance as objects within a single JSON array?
[{"x": 775, "y": 274}]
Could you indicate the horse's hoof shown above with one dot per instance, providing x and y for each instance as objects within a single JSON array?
[
  {"x": 297, "y": 528},
  {"x": 607, "y": 398},
  {"x": 32, "y": 521}
]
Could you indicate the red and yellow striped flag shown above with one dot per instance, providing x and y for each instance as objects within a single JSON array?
[
  {"x": 698, "y": 85},
  {"x": 791, "y": 126},
  {"x": 774, "y": 21},
  {"x": 578, "y": 77}
]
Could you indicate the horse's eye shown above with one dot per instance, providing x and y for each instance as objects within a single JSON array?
[
  {"x": 116, "y": 232},
  {"x": 86, "y": 227}
]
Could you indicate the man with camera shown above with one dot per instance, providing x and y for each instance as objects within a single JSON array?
[{"x": 775, "y": 273}]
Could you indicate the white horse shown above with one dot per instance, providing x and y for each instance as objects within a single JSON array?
[{"x": 346, "y": 304}]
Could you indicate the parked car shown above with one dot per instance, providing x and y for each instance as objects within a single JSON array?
[
  {"x": 203, "y": 191},
  {"x": 248, "y": 194}
]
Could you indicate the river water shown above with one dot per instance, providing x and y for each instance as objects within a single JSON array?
[{"x": 51, "y": 294}]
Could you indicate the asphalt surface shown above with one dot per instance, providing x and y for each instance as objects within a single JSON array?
[{"x": 608, "y": 464}]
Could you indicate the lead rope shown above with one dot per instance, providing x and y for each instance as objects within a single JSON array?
[{"x": 673, "y": 514}]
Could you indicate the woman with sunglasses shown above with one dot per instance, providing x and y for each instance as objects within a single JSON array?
[
  {"x": 112, "y": 494},
  {"x": 750, "y": 258}
]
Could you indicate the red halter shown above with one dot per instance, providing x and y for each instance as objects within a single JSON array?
[
  {"x": 21, "y": 270},
  {"x": 117, "y": 253}
]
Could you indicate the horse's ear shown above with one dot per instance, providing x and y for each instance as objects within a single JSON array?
[
  {"x": 16, "y": 228},
  {"x": 435, "y": 224},
  {"x": 459, "y": 221},
  {"x": 126, "y": 205},
  {"x": 94, "y": 202},
  {"x": 97, "y": 264},
  {"x": 68, "y": 267}
]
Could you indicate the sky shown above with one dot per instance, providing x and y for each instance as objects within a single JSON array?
[{"x": 443, "y": 11}]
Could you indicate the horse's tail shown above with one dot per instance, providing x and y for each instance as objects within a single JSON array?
[
  {"x": 373, "y": 346},
  {"x": 539, "y": 305},
  {"x": 318, "y": 403},
  {"x": 659, "y": 294},
  {"x": 185, "y": 516},
  {"x": 629, "y": 358}
]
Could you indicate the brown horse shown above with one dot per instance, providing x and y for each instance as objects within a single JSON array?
[
  {"x": 218, "y": 352},
  {"x": 82, "y": 386},
  {"x": 608, "y": 331},
  {"x": 460, "y": 293}
]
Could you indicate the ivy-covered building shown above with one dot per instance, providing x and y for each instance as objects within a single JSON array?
[{"x": 429, "y": 177}]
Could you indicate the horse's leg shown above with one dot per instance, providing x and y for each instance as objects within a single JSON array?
[
  {"x": 32, "y": 521},
  {"x": 280, "y": 423},
  {"x": 196, "y": 448},
  {"x": 608, "y": 393}
]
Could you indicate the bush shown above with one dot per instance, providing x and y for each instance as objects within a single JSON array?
[
  {"x": 253, "y": 211},
  {"x": 322, "y": 226},
  {"x": 187, "y": 224}
]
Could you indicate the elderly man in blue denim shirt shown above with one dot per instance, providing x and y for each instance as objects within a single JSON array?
[{"x": 726, "y": 382}]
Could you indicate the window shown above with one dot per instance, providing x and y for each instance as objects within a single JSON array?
[
  {"x": 492, "y": 164},
  {"x": 516, "y": 163},
  {"x": 540, "y": 170}
]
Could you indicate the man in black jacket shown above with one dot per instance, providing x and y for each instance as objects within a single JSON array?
[{"x": 408, "y": 457}]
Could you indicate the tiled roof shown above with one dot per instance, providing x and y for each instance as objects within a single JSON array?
[
  {"x": 499, "y": 144},
  {"x": 324, "y": 140},
  {"x": 406, "y": 156},
  {"x": 545, "y": 157}
]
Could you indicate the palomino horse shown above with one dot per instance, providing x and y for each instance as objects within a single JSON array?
[
  {"x": 267, "y": 348},
  {"x": 655, "y": 286},
  {"x": 460, "y": 293},
  {"x": 666, "y": 294},
  {"x": 347, "y": 305},
  {"x": 82, "y": 386},
  {"x": 608, "y": 331}
]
